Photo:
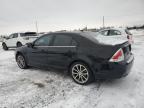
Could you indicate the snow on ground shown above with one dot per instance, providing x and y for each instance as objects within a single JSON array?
[
  {"x": 39, "y": 88},
  {"x": 137, "y": 32}
]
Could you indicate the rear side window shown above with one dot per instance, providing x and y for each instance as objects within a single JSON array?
[
  {"x": 43, "y": 41},
  {"x": 114, "y": 32},
  {"x": 105, "y": 32},
  {"x": 63, "y": 40}
]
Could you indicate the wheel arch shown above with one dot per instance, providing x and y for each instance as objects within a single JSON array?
[
  {"x": 88, "y": 63},
  {"x": 18, "y": 42},
  {"x": 17, "y": 53},
  {"x": 20, "y": 53}
]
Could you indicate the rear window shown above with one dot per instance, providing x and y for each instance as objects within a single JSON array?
[
  {"x": 105, "y": 32},
  {"x": 91, "y": 36},
  {"x": 28, "y": 34},
  {"x": 127, "y": 32}
]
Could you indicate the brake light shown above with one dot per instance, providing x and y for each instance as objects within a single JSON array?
[{"x": 118, "y": 56}]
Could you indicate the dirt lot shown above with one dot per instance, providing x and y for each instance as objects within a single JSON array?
[{"x": 35, "y": 88}]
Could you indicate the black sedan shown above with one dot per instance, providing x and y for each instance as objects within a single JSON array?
[{"x": 81, "y": 54}]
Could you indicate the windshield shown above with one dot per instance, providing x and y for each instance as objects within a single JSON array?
[{"x": 28, "y": 34}]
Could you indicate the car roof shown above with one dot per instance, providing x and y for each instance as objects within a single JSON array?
[{"x": 86, "y": 34}]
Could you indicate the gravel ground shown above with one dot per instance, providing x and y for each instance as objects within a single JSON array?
[{"x": 36, "y": 88}]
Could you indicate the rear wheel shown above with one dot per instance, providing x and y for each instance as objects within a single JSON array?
[
  {"x": 19, "y": 44},
  {"x": 4, "y": 46},
  {"x": 81, "y": 73},
  {"x": 21, "y": 61}
]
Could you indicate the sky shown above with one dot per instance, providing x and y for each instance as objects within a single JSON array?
[{"x": 54, "y": 15}]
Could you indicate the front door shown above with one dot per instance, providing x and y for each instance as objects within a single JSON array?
[
  {"x": 38, "y": 55},
  {"x": 11, "y": 42}
]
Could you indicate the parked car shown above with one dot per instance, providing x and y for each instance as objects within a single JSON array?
[
  {"x": 83, "y": 56},
  {"x": 18, "y": 39},
  {"x": 115, "y": 34}
]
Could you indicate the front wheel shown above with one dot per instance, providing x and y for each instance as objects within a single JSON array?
[
  {"x": 21, "y": 61},
  {"x": 81, "y": 73},
  {"x": 4, "y": 46}
]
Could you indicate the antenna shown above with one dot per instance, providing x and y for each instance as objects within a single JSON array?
[
  {"x": 36, "y": 24},
  {"x": 103, "y": 22}
]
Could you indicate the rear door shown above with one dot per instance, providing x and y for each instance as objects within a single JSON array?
[{"x": 62, "y": 50}]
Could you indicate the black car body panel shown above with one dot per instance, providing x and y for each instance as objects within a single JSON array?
[{"x": 85, "y": 49}]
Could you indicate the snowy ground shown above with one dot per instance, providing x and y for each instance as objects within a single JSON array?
[
  {"x": 35, "y": 88},
  {"x": 137, "y": 32}
]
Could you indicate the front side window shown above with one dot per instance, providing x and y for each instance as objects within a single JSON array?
[
  {"x": 43, "y": 41},
  {"x": 11, "y": 36},
  {"x": 114, "y": 32},
  {"x": 63, "y": 40},
  {"x": 15, "y": 35}
]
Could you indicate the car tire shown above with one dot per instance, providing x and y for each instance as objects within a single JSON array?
[
  {"x": 81, "y": 73},
  {"x": 19, "y": 44},
  {"x": 4, "y": 46},
  {"x": 21, "y": 62}
]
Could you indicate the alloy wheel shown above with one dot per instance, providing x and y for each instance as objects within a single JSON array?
[
  {"x": 21, "y": 61},
  {"x": 4, "y": 46},
  {"x": 80, "y": 73}
]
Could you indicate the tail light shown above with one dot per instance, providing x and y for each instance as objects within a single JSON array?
[{"x": 118, "y": 56}]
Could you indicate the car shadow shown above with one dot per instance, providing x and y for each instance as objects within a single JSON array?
[
  {"x": 122, "y": 83},
  {"x": 60, "y": 73}
]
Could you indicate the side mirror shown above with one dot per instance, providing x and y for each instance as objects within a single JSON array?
[{"x": 29, "y": 45}]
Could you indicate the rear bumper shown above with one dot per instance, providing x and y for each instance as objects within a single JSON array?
[{"x": 113, "y": 70}]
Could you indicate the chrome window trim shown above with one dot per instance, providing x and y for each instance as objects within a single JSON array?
[{"x": 54, "y": 46}]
